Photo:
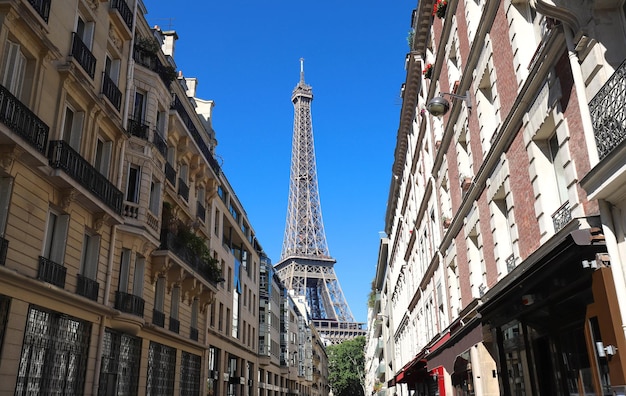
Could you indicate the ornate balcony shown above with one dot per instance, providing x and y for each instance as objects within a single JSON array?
[
  {"x": 51, "y": 272},
  {"x": 170, "y": 173},
  {"x": 17, "y": 117},
  {"x": 174, "y": 325},
  {"x": 4, "y": 248},
  {"x": 87, "y": 287},
  {"x": 111, "y": 91},
  {"x": 178, "y": 245},
  {"x": 125, "y": 12},
  {"x": 159, "y": 143},
  {"x": 62, "y": 156},
  {"x": 83, "y": 55},
  {"x": 180, "y": 109},
  {"x": 158, "y": 318},
  {"x": 42, "y": 7},
  {"x": 183, "y": 189},
  {"x": 150, "y": 61},
  {"x": 608, "y": 113},
  {"x": 562, "y": 216},
  {"x": 137, "y": 128},
  {"x": 129, "y": 303}
]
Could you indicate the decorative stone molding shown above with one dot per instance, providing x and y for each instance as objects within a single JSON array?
[
  {"x": 99, "y": 221},
  {"x": 67, "y": 197},
  {"x": 8, "y": 155}
]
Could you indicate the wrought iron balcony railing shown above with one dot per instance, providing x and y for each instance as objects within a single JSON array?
[
  {"x": 183, "y": 189},
  {"x": 180, "y": 109},
  {"x": 87, "y": 287},
  {"x": 125, "y": 12},
  {"x": 200, "y": 211},
  {"x": 608, "y": 113},
  {"x": 174, "y": 244},
  {"x": 62, "y": 156},
  {"x": 42, "y": 7},
  {"x": 15, "y": 115},
  {"x": 158, "y": 318},
  {"x": 150, "y": 61},
  {"x": 83, "y": 55},
  {"x": 111, "y": 91},
  {"x": 138, "y": 128},
  {"x": 174, "y": 325},
  {"x": 562, "y": 216},
  {"x": 193, "y": 333},
  {"x": 51, "y": 272},
  {"x": 129, "y": 303},
  {"x": 4, "y": 248},
  {"x": 159, "y": 143},
  {"x": 170, "y": 173}
]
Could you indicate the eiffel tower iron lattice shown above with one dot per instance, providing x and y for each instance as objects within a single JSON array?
[{"x": 306, "y": 266}]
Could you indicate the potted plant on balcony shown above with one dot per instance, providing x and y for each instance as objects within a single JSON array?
[
  {"x": 440, "y": 7},
  {"x": 428, "y": 71}
]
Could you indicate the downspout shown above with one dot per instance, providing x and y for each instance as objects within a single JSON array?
[{"x": 109, "y": 274}]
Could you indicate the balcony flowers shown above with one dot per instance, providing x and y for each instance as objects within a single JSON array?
[
  {"x": 440, "y": 7},
  {"x": 428, "y": 70}
]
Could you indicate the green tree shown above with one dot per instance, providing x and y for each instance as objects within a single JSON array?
[{"x": 346, "y": 367}]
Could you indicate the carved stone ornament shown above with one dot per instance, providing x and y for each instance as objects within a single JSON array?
[
  {"x": 68, "y": 196},
  {"x": 8, "y": 154},
  {"x": 99, "y": 220}
]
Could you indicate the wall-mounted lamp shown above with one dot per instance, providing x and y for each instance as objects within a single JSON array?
[{"x": 439, "y": 106}]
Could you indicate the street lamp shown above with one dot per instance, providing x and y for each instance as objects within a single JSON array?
[{"x": 438, "y": 106}]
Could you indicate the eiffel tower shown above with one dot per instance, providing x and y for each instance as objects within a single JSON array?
[{"x": 306, "y": 266}]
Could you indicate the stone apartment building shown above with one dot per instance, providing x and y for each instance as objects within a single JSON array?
[
  {"x": 502, "y": 268},
  {"x": 127, "y": 263}
]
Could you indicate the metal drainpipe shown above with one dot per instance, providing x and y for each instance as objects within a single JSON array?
[{"x": 109, "y": 274}]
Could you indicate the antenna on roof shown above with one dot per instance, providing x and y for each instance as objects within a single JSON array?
[{"x": 301, "y": 69}]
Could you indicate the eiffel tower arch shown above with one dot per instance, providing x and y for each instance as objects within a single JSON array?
[{"x": 306, "y": 267}]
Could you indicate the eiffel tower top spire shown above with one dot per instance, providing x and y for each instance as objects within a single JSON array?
[{"x": 304, "y": 229}]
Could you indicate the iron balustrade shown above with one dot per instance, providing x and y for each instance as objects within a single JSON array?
[
  {"x": 183, "y": 189},
  {"x": 62, "y": 156},
  {"x": 608, "y": 113},
  {"x": 4, "y": 248},
  {"x": 180, "y": 109},
  {"x": 87, "y": 287},
  {"x": 193, "y": 333},
  {"x": 18, "y": 118},
  {"x": 83, "y": 55},
  {"x": 159, "y": 143},
  {"x": 51, "y": 272},
  {"x": 42, "y": 7},
  {"x": 174, "y": 325},
  {"x": 158, "y": 318},
  {"x": 129, "y": 303},
  {"x": 111, "y": 91},
  {"x": 137, "y": 128},
  {"x": 562, "y": 216},
  {"x": 200, "y": 211},
  {"x": 170, "y": 173},
  {"x": 125, "y": 12},
  {"x": 150, "y": 61},
  {"x": 171, "y": 242}
]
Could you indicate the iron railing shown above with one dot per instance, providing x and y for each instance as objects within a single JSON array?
[
  {"x": 170, "y": 173},
  {"x": 151, "y": 62},
  {"x": 158, "y": 318},
  {"x": 562, "y": 216},
  {"x": 125, "y": 12},
  {"x": 111, "y": 91},
  {"x": 608, "y": 113},
  {"x": 174, "y": 244},
  {"x": 137, "y": 128},
  {"x": 159, "y": 143},
  {"x": 51, "y": 272},
  {"x": 87, "y": 287},
  {"x": 174, "y": 325},
  {"x": 18, "y": 117},
  {"x": 42, "y": 7},
  {"x": 180, "y": 109},
  {"x": 83, "y": 55},
  {"x": 183, "y": 189},
  {"x": 4, "y": 248},
  {"x": 129, "y": 303},
  {"x": 62, "y": 156}
]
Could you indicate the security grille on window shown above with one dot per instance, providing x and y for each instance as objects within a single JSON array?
[
  {"x": 119, "y": 372},
  {"x": 190, "y": 374},
  {"x": 161, "y": 369}
]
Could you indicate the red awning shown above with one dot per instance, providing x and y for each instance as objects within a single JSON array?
[{"x": 413, "y": 370}]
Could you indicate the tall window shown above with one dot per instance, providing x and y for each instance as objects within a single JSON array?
[
  {"x": 159, "y": 294},
  {"x": 103, "y": 156},
  {"x": 175, "y": 302},
  {"x": 6, "y": 185},
  {"x": 112, "y": 69},
  {"x": 161, "y": 370},
  {"x": 119, "y": 372},
  {"x": 13, "y": 76},
  {"x": 124, "y": 280},
  {"x": 133, "y": 183},
  {"x": 90, "y": 255},
  {"x": 213, "y": 363},
  {"x": 85, "y": 30},
  {"x": 54, "y": 354},
  {"x": 155, "y": 197},
  {"x": 56, "y": 235},
  {"x": 140, "y": 264},
  {"x": 190, "y": 366},
  {"x": 73, "y": 127},
  {"x": 139, "y": 107}
]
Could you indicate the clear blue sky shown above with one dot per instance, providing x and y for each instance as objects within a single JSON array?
[{"x": 246, "y": 54}]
